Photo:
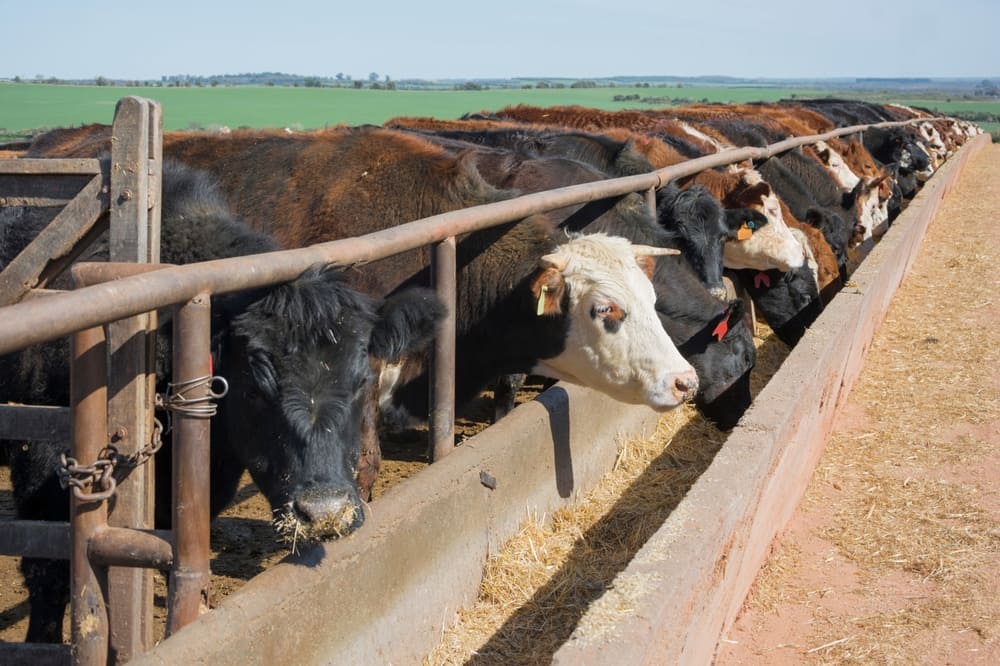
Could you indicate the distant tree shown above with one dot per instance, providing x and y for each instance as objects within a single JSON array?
[
  {"x": 373, "y": 77},
  {"x": 526, "y": 86},
  {"x": 542, "y": 84},
  {"x": 583, "y": 84},
  {"x": 986, "y": 88},
  {"x": 312, "y": 82},
  {"x": 358, "y": 84},
  {"x": 340, "y": 76},
  {"x": 17, "y": 79}
]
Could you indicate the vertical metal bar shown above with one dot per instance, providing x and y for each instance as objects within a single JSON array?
[
  {"x": 189, "y": 575},
  {"x": 442, "y": 413},
  {"x": 88, "y": 583}
]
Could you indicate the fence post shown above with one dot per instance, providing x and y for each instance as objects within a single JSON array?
[
  {"x": 88, "y": 583},
  {"x": 441, "y": 420},
  {"x": 136, "y": 154},
  {"x": 190, "y": 575}
]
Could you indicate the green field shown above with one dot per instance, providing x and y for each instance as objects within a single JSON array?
[
  {"x": 28, "y": 107},
  {"x": 25, "y": 107}
]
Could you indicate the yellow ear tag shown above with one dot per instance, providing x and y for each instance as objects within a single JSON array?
[
  {"x": 744, "y": 232},
  {"x": 541, "y": 301}
]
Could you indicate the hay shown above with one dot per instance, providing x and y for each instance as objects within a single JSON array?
[{"x": 536, "y": 589}]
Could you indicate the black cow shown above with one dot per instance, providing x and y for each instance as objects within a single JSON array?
[
  {"x": 837, "y": 224},
  {"x": 301, "y": 384}
]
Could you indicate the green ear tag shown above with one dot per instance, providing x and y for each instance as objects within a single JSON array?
[{"x": 541, "y": 301}]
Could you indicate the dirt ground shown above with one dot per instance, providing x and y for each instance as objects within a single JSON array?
[{"x": 893, "y": 557}]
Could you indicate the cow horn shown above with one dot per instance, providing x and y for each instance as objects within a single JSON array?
[
  {"x": 650, "y": 250},
  {"x": 555, "y": 260}
]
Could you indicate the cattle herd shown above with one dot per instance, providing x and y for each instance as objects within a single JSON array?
[{"x": 648, "y": 306}]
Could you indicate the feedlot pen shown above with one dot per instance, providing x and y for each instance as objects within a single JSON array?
[{"x": 448, "y": 514}]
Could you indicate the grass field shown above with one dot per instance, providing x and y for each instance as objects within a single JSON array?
[{"x": 28, "y": 107}]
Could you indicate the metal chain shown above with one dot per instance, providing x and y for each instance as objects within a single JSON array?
[
  {"x": 83, "y": 477},
  {"x": 100, "y": 474}
]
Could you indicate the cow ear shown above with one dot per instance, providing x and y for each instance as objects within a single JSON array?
[
  {"x": 406, "y": 323},
  {"x": 849, "y": 198},
  {"x": 547, "y": 289},
  {"x": 647, "y": 263}
]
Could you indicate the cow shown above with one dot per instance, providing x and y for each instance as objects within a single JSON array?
[
  {"x": 689, "y": 219},
  {"x": 299, "y": 362}
]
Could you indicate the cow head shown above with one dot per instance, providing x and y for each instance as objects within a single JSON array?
[
  {"x": 723, "y": 354},
  {"x": 600, "y": 285},
  {"x": 774, "y": 246},
  {"x": 298, "y": 361},
  {"x": 869, "y": 205},
  {"x": 836, "y": 166},
  {"x": 700, "y": 226}
]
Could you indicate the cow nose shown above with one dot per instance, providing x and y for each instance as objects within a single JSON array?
[
  {"x": 719, "y": 293},
  {"x": 331, "y": 513},
  {"x": 686, "y": 386}
]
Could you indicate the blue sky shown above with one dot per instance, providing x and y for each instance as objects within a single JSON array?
[{"x": 468, "y": 39}]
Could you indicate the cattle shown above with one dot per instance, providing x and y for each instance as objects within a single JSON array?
[
  {"x": 596, "y": 305},
  {"x": 689, "y": 219},
  {"x": 695, "y": 220},
  {"x": 298, "y": 359},
  {"x": 837, "y": 226},
  {"x": 736, "y": 187}
]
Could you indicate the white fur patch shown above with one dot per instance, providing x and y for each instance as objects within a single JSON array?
[{"x": 773, "y": 246}]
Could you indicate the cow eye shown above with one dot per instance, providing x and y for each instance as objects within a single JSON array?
[{"x": 603, "y": 310}]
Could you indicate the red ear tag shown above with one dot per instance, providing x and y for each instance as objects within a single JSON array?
[
  {"x": 744, "y": 232},
  {"x": 761, "y": 278},
  {"x": 722, "y": 327}
]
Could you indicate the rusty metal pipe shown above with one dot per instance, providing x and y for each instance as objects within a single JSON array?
[
  {"x": 190, "y": 575},
  {"x": 127, "y": 547},
  {"x": 61, "y": 314},
  {"x": 88, "y": 583},
  {"x": 442, "y": 417}
]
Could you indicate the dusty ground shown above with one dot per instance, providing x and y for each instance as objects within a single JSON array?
[{"x": 893, "y": 557}]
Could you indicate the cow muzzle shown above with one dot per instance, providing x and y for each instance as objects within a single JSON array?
[{"x": 319, "y": 515}]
